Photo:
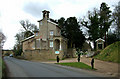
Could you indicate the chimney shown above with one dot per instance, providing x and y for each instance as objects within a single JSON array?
[{"x": 45, "y": 14}]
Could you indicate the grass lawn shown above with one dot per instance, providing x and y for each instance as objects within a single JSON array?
[
  {"x": 110, "y": 53},
  {"x": 77, "y": 65},
  {"x": 0, "y": 68}
]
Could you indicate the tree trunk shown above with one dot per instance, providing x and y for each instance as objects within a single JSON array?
[{"x": 94, "y": 44}]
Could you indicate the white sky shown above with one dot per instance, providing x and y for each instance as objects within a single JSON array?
[{"x": 12, "y": 11}]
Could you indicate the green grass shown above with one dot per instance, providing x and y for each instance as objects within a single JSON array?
[
  {"x": 77, "y": 65},
  {"x": 3, "y": 69},
  {"x": 110, "y": 53},
  {"x": 0, "y": 68}
]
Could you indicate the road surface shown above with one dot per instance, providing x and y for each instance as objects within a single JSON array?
[{"x": 23, "y": 68}]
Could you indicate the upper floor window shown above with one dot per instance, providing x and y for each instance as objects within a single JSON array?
[
  {"x": 36, "y": 34},
  {"x": 51, "y": 32}
]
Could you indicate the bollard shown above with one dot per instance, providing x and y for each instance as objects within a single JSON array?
[
  {"x": 57, "y": 59},
  {"x": 78, "y": 57},
  {"x": 92, "y": 63}
]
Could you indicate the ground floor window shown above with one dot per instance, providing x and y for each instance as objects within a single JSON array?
[
  {"x": 33, "y": 46},
  {"x": 51, "y": 43}
]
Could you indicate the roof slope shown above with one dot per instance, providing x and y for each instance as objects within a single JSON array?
[
  {"x": 28, "y": 38},
  {"x": 52, "y": 21}
]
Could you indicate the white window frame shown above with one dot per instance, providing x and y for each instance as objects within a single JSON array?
[
  {"x": 51, "y": 43},
  {"x": 51, "y": 33}
]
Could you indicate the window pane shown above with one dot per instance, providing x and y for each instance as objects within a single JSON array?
[
  {"x": 33, "y": 46},
  {"x": 36, "y": 34},
  {"x": 51, "y": 32},
  {"x": 51, "y": 44}
]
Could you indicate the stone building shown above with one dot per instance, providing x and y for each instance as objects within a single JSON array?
[
  {"x": 47, "y": 42},
  {"x": 100, "y": 44}
]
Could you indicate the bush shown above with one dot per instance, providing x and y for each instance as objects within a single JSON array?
[{"x": 17, "y": 52}]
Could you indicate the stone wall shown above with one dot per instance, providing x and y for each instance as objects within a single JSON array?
[
  {"x": 28, "y": 44},
  {"x": 41, "y": 54},
  {"x": 71, "y": 52},
  {"x": 7, "y": 52}
]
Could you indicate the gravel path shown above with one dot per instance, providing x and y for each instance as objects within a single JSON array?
[{"x": 108, "y": 68}]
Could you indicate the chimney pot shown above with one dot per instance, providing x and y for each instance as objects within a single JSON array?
[{"x": 45, "y": 14}]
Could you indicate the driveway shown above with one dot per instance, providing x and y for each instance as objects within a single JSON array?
[{"x": 23, "y": 68}]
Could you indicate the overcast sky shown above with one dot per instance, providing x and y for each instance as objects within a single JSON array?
[{"x": 12, "y": 11}]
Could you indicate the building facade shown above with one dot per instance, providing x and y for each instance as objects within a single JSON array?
[
  {"x": 99, "y": 44},
  {"x": 47, "y": 42}
]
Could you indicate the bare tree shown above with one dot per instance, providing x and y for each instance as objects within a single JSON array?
[
  {"x": 116, "y": 17},
  {"x": 2, "y": 39},
  {"x": 28, "y": 27}
]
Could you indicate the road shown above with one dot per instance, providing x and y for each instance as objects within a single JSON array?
[{"x": 23, "y": 68}]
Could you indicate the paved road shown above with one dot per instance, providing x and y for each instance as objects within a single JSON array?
[{"x": 23, "y": 68}]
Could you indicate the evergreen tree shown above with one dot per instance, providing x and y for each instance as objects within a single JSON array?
[
  {"x": 98, "y": 23},
  {"x": 61, "y": 23},
  {"x": 112, "y": 37},
  {"x": 71, "y": 30},
  {"x": 92, "y": 24},
  {"x": 105, "y": 20}
]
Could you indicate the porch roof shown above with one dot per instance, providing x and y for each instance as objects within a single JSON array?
[{"x": 100, "y": 40}]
